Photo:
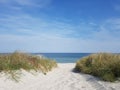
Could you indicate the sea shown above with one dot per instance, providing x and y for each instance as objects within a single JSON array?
[{"x": 64, "y": 57}]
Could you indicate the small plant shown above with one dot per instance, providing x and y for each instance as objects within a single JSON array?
[
  {"x": 103, "y": 65},
  {"x": 12, "y": 64}
]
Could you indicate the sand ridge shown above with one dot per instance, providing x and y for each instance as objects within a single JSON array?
[{"x": 61, "y": 78}]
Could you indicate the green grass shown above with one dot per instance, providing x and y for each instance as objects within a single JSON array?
[
  {"x": 106, "y": 66},
  {"x": 12, "y": 64}
]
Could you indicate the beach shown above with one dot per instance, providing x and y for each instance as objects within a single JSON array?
[{"x": 61, "y": 78}]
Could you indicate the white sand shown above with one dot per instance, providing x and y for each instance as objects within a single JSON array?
[{"x": 61, "y": 78}]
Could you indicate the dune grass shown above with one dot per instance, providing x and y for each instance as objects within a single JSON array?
[
  {"x": 103, "y": 65},
  {"x": 10, "y": 64}
]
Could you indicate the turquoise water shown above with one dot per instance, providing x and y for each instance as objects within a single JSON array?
[{"x": 64, "y": 57}]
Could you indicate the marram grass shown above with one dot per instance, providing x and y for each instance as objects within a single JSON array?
[
  {"x": 103, "y": 65},
  {"x": 12, "y": 64}
]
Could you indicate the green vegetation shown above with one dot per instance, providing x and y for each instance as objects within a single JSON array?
[
  {"x": 13, "y": 64},
  {"x": 103, "y": 65}
]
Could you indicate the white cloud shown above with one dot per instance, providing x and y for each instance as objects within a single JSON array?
[
  {"x": 117, "y": 7},
  {"x": 35, "y": 26},
  {"x": 36, "y": 3},
  {"x": 55, "y": 44},
  {"x": 18, "y": 4},
  {"x": 113, "y": 24},
  {"x": 40, "y": 35}
]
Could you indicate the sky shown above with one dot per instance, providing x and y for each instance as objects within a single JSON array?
[{"x": 60, "y": 25}]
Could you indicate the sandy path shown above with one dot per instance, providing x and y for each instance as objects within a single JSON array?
[{"x": 61, "y": 78}]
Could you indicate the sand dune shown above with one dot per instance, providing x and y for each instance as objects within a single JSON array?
[{"x": 61, "y": 78}]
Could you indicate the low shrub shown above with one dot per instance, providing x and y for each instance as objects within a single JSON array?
[
  {"x": 11, "y": 63},
  {"x": 103, "y": 65}
]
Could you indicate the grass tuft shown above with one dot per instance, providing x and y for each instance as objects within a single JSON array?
[
  {"x": 103, "y": 65},
  {"x": 10, "y": 64}
]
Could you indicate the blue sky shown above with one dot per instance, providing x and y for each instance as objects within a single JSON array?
[{"x": 60, "y": 25}]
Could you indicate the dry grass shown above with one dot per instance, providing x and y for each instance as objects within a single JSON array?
[
  {"x": 103, "y": 65},
  {"x": 12, "y": 63}
]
